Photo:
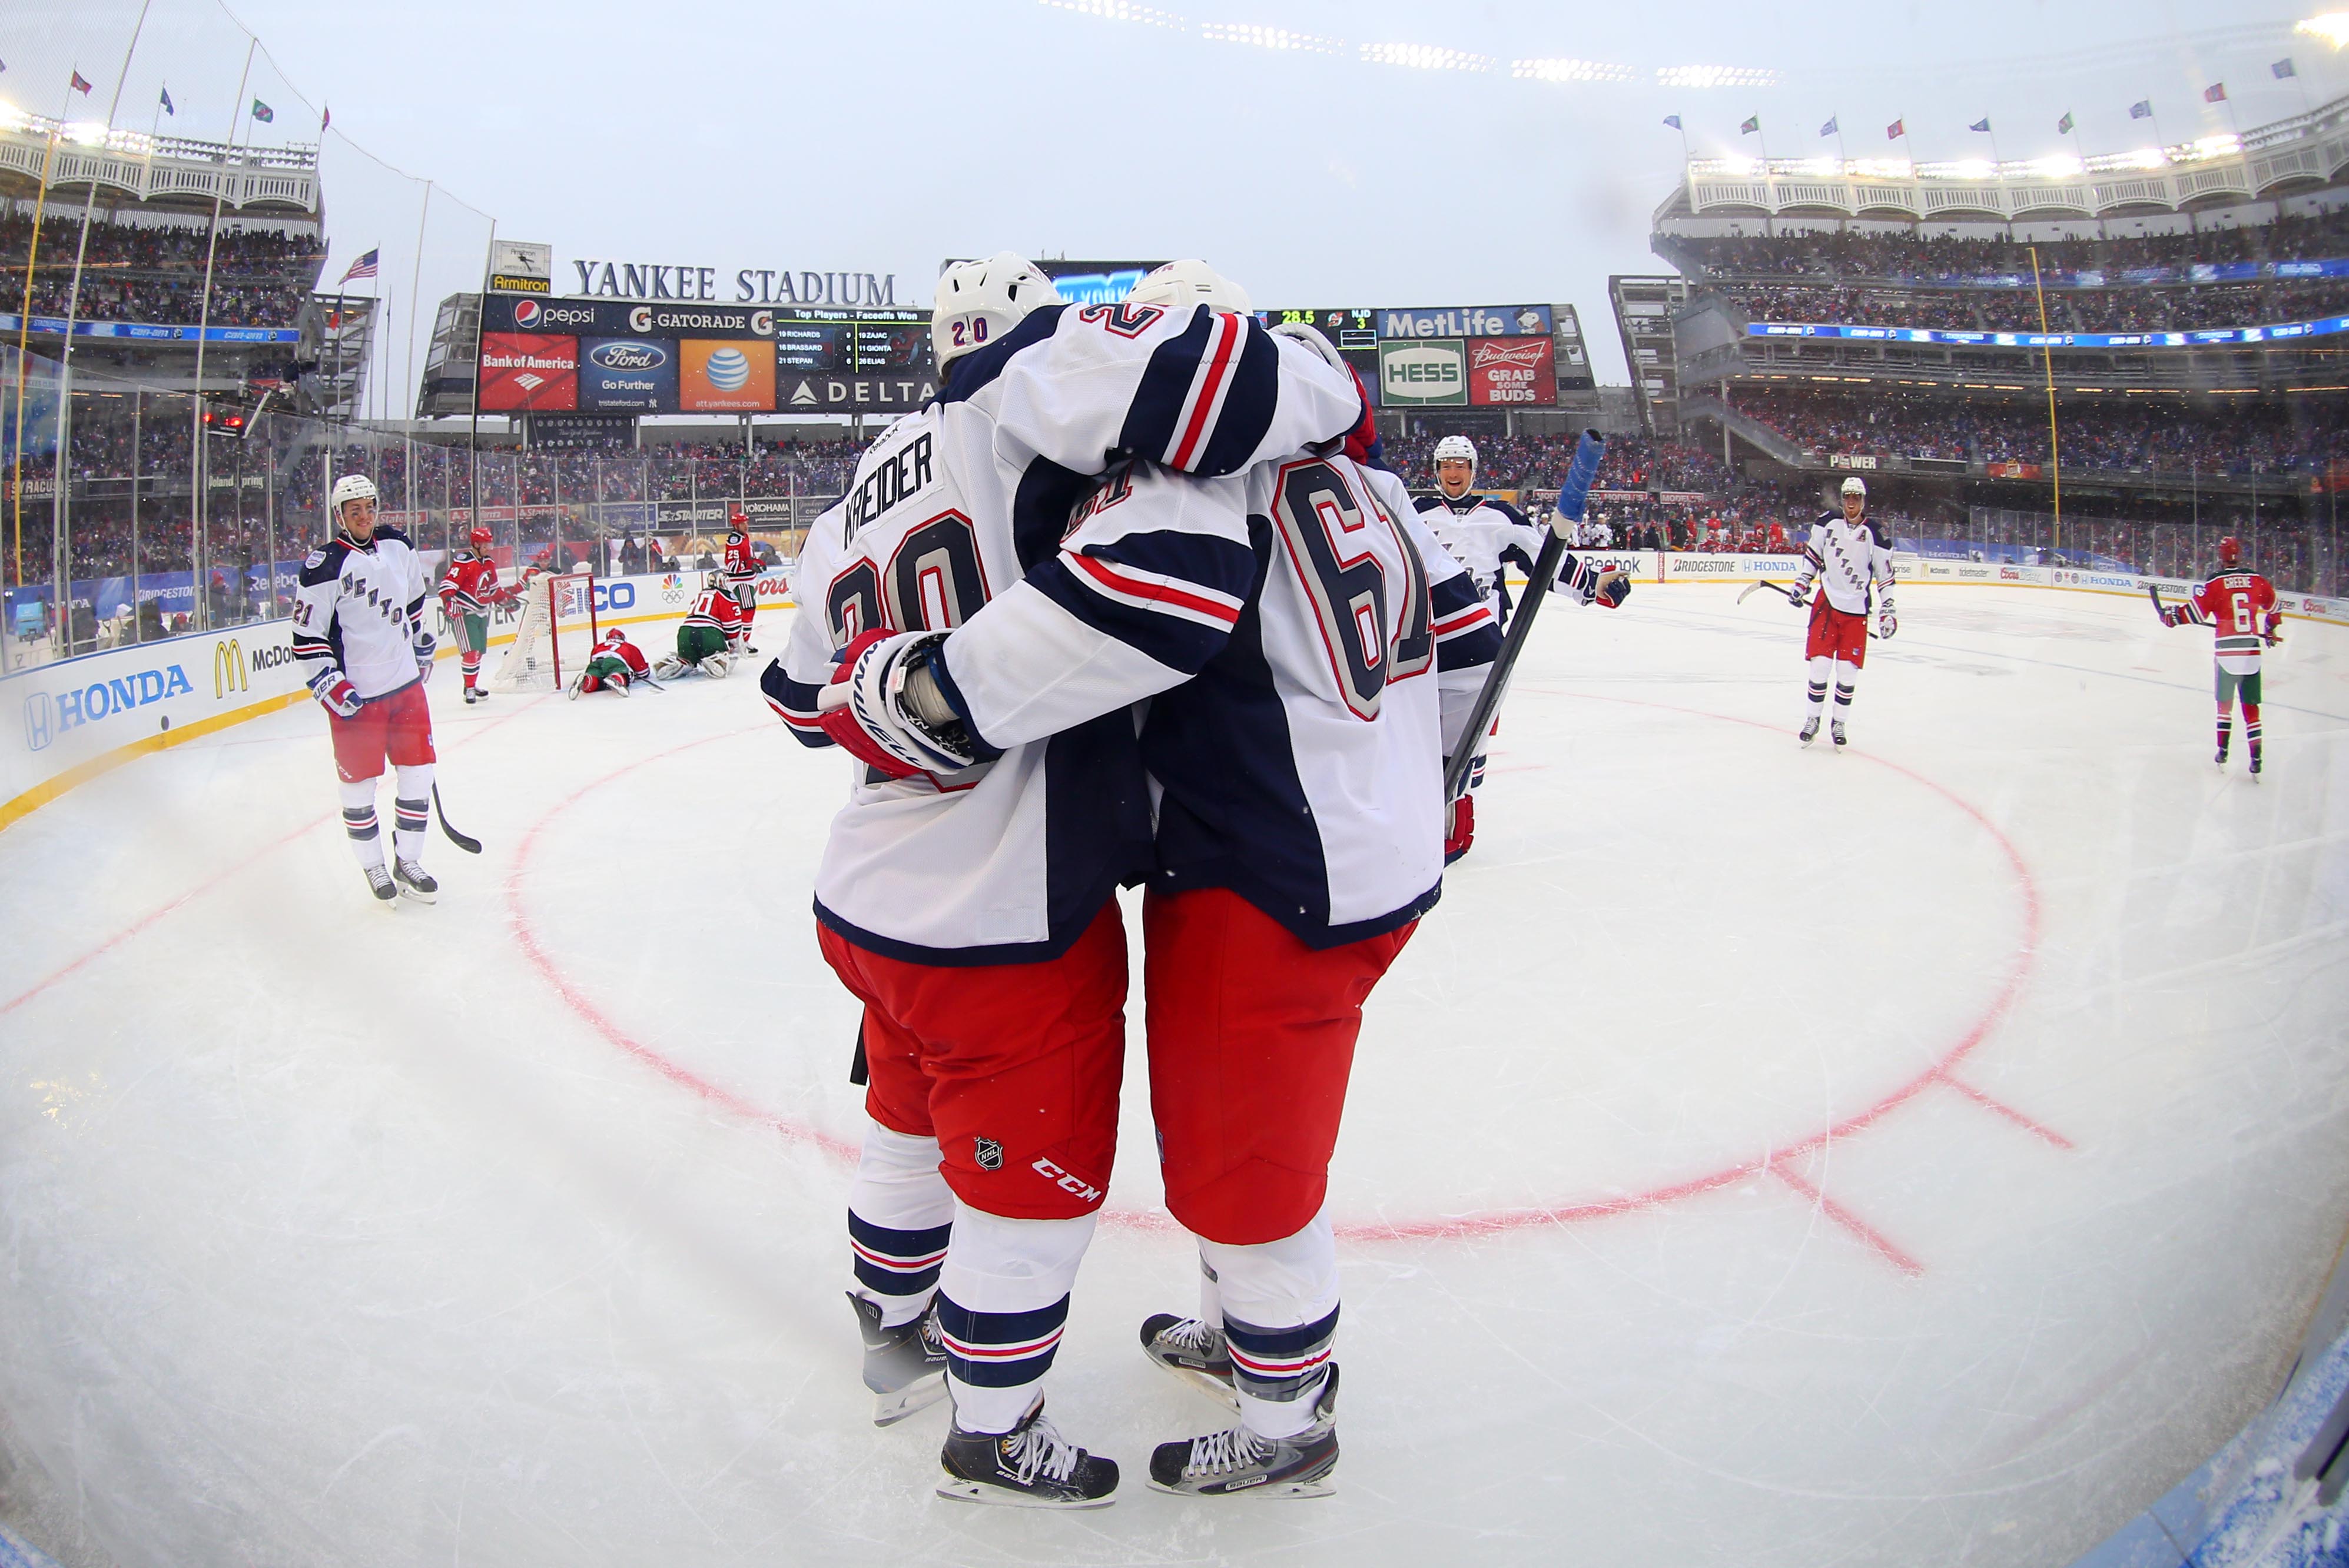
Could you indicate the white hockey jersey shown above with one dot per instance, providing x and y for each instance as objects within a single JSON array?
[
  {"x": 1847, "y": 559},
  {"x": 1008, "y": 861},
  {"x": 1487, "y": 535},
  {"x": 1309, "y": 650},
  {"x": 357, "y": 613}
]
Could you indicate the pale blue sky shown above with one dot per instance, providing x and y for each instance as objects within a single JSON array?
[{"x": 881, "y": 138}]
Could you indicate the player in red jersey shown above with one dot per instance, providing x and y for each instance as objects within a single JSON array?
[
  {"x": 612, "y": 664},
  {"x": 2240, "y": 606},
  {"x": 469, "y": 591},
  {"x": 711, "y": 637},
  {"x": 742, "y": 569}
]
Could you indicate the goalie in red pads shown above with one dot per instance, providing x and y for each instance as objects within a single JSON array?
[
  {"x": 713, "y": 635},
  {"x": 2240, "y": 606},
  {"x": 1851, "y": 560}
]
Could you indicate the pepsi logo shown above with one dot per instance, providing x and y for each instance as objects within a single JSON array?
[
  {"x": 729, "y": 370},
  {"x": 526, "y": 314}
]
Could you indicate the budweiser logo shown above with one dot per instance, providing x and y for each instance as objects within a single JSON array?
[{"x": 1519, "y": 355}]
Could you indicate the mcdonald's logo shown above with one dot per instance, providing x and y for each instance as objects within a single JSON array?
[{"x": 229, "y": 673}]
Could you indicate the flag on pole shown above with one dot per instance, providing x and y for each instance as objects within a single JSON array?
[
  {"x": 1750, "y": 126},
  {"x": 1828, "y": 129},
  {"x": 167, "y": 104},
  {"x": 364, "y": 267},
  {"x": 263, "y": 112},
  {"x": 1982, "y": 124},
  {"x": 1673, "y": 121},
  {"x": 2215, "y": 93},
  {"x": 2282, "y": 69},
  {"x": 326, "y": 117},
  {"x": 81, "y": 84},
  {"x": 2063, "y": 126},
  {"x": 1895, "y": 130},
  {"x": 2141, "y": 109}
]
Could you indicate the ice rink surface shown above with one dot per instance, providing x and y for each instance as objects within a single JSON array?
[{"x": 1762, "y": 1157}]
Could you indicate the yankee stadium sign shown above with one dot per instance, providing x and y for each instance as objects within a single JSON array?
[{"x": 749, "y": 285}]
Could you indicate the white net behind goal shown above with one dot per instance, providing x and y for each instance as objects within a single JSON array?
[{"x": 552, "y": 639}]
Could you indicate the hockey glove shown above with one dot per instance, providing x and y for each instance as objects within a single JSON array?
[
  {"x": 342, "y": 698},
  {"x": 1887, "y": 622},
  {"x": 870, "y": 712},
  {"x": 1459, "y": 828},
  {"x": 1799, "y": 595},
  {"x": 1606, "y": 586},
  {"x": 425, "y": 646}
]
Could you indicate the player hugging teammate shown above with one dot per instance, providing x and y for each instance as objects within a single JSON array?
[
  {"x": 1108, "y": 504},
  {"x": 358, "y": 631},
  {"x": 2240, "y": 607}
]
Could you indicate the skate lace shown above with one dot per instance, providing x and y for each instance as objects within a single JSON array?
[
  {"x": 1042, "y": 1450},
  {"x": 1221, "y": 1453},
  {"x": 1193, "y": 1335}
]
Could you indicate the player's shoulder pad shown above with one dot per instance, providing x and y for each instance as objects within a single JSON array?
[
  {"x": 393, "y": 536},
  {"x": 325, "y": 564},
  {"x": 1506, "y": 510},
  {"x": 1828, "y": 517},
  {"x": 1876, "y": 531},
  {"x": 1424, "y": 503},
  {"x": 971, "y": 373}
]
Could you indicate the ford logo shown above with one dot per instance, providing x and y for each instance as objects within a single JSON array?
[
  {"x": 526, "y": 313},
  {"x": 629, "y": 356}
]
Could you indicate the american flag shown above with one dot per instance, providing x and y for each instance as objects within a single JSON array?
[{"x": 364, "y": 267}]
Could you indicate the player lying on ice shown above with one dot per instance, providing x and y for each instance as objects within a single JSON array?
[
  {"x": 713, "y": 635},
  {"x": 358, "y": 631},
  {"x": 614, "y": 665},
  {"x": 2240, "y": 608},
  {"x": 980, "y": 615}
]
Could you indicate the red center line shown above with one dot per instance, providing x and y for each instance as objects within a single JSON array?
[
  {"x": 1449, "y": 1227},
  {"x": 151, "y": 916}
]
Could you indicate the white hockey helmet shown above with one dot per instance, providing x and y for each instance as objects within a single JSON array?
[
  {"x": 1855, "y": 486},
  {"x": 1187, "y": 283},
  {"x": 350, "y": 486},
  {"x": 978, "y": 302},
  {"x": 1457, "y": 449}
]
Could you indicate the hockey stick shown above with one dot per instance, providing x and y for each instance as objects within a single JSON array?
[
  {"x": 2153, "y": 591},
  {"x": 1788, "y": 594},
  {"x": 470, "y": 845},
  {"x": 1572, "y": 497}
]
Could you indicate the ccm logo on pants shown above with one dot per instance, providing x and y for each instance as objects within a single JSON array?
[{"x": 1085, "y": 1190}]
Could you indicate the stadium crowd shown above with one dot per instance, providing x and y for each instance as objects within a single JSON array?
[
  {"x": 139, "y": 273},
  {"x": 2016, "y": 309},
  {"x": 2138, "y": 436}
]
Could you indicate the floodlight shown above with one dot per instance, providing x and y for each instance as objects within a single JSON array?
[
  {"x": 2333, "y": 28},
  {"x": 1569, "y": 71},
  {"x": 1425, "y": 57}
]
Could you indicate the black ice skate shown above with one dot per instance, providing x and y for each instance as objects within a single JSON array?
[
  {"x": 2255, "y": 764},
  {"x": 1030, "y": 1466},
  {"x": 1836, "y": 729},
  {"x": 1238, "y": 1462},
  {"x": 472, "y": 696},
  {"x": 1194, "y": 1351},
  {"x": 379, "y": 882},
  {"x": 904, "y": 1365},
  {"x": 414, "y": 882},
  {"x": 2221, "y": 758},
  {"x": 1810, "y": 730}
]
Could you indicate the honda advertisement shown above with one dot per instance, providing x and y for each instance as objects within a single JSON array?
[
  {"x": 717, "y": 376},
  {"x": 633, "y": 374},
  {"x": 1512, "y": 372},
  {"x": 523, "y": 371}
]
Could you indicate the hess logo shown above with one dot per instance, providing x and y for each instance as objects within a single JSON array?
[
  {"x": 629, "y": 356},
  {"x": 1416, "y": 368},
  {"x": 527, "y": 314}
]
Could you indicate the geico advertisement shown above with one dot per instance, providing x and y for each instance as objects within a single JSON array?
[{"x": 66, "y": 714}]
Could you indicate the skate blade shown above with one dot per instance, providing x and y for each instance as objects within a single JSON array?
[
  {"x": 1212, "y": 1386},
  {"x": 955, "y": 1489},
  {"x": 409, "y": 893},
  {"x": 888, "y": 1410},
  {"x": 1326, "y": 1486}
]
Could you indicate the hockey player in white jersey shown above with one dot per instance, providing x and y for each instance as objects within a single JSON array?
[
  {"x": 1486, "y": 535},
  {"x": 1303, "y": 641},
  {"x": 1850, "y": 558},
  {"x": 358, "y": 631},
  {"x": 965, "y": 892}
]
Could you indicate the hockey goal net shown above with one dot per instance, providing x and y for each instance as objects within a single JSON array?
[{"x": 554, "y": 632}]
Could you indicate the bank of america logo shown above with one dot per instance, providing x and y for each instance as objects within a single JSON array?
[
  {"x": 729, "y": 370},
  {"x": 528, "y": 381}
]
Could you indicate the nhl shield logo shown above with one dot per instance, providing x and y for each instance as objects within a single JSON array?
[{"x": 988, "y": 1152}]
